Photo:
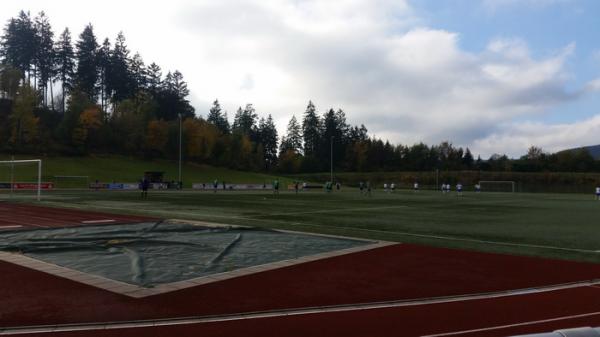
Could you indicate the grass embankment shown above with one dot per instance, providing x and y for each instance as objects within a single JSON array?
[
  {"x": 551, "y": 225},
  {"x": 124, "y": 170}
]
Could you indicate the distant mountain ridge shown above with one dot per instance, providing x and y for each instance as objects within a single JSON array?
[{"x": 594, "y": 150}]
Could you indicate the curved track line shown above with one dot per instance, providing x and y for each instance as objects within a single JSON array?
[
  {"x": 305, "y": 311},
  {"x": 498, "y": 327}
]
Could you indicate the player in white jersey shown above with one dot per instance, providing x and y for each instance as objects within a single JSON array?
[
  {"x": 416, "y": 186},
  {"x": 393, "y": 187},
  {"x": 385, "y": 187},
  {"x": 477, "y": 188},
  {"x": 459, "y": 189},
  {"x": 597, "y": 193}
]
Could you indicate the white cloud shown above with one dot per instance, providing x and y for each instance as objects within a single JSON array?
[
  {"x": 514, "y": 138},
  {"x": 374, "y": 58},
  {"x": 405, "y": 83}
]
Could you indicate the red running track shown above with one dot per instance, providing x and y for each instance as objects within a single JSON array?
[
  {"x": 15, "y": 216},
  {"x": 486, "y": 317},
  {"x": 399, "y": 272},
  {"x": 391, "y": 273}
]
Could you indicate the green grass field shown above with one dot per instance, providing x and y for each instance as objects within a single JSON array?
[
  {"x": 124, "y": 170},
  {"x": 562, "y": 226}
]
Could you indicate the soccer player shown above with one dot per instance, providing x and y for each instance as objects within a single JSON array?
[
  {"x": 368, "y": 188},
  {"x": 477, "y": 188},
  {"x": 296, "y": 186},
  {"x": 597, "y": 193},
  {"x": 416, "y": 186},
  {"x": 145, "y": 184},
  {"x": 361, "y": 186},
  {"x": 393, "y": 187},
  {"x": 385, "y": 187},
  {"x": 459, "y": 188},
  {"x": 276, "y": 186},
  {"x": 215, "y": 185}
]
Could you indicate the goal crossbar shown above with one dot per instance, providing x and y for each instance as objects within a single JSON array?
[{"x": 39, "y": 177}]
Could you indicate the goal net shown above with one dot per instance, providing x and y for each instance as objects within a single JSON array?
[
  {"x": 497, "y": 186},
  {"x": 21, "y": 179}
]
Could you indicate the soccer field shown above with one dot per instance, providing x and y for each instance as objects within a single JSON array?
[{"x": 561, "y": 226}]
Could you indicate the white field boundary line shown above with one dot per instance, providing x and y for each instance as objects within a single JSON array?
[
  {"x": 426, "y": 236},
  {"x": 330, "y": 211},
  {"x": 296, "y": 312},
  {"x": 515, "y": 325}
]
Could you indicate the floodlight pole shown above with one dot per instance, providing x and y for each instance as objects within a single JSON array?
[
  {"x": 331, "y": 161},
  {"x": 180, "y": 183}
]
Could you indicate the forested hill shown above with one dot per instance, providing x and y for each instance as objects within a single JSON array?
[
  {"x": 593, "y": 150},
  {"x": 66, "y": 95}
]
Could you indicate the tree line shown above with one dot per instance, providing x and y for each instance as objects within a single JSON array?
[{"x": 77, "y": 98}]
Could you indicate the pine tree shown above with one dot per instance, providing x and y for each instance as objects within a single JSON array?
[
  {"x": 268, "y": 138},
  {"x": 468, "y": 160},
  {"x": 65, "y": 64},
  {"x": 218, "y": 119},
  {"x": 292, "y": 141},
  {"x": 86, "y": 75},
  {"x": 179, "y": 85},
  {"x": 45, "y": 57},
  {"x": 103, "y": 57},
  {"x": 119, "y": 79},
  {"x": 244, "y": 121},
  {"x": 154, "y": 78},
  {"x": 19, "y": 44},
  {"x": 172, "y": 98},
  {"x": 139, "y": 73},
  {"x": 311, "y": 130}
]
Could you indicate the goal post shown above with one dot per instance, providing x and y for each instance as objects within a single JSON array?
[
  {"x": 497, "y": 185},
  {"x": 12, "y": 180}
]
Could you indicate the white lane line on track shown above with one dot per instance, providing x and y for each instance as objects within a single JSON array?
[
  {"x": 98, "y": 221},
  {"x": 514, "y": 325},
  {"x": 10, "y": 226},
  {"x": 298, "y": 312}
]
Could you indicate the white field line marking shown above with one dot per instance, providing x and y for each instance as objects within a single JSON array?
[
  {"x": 329, "y": 211},
  {"x": 294, "y": 312},
  {"x": 427, "y": 236},
  {"x": 498, "y": 327},
  {"x": 455, "y": 238}
]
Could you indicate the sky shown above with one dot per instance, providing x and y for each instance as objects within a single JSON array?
[{"x": 497, "y": 76}]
